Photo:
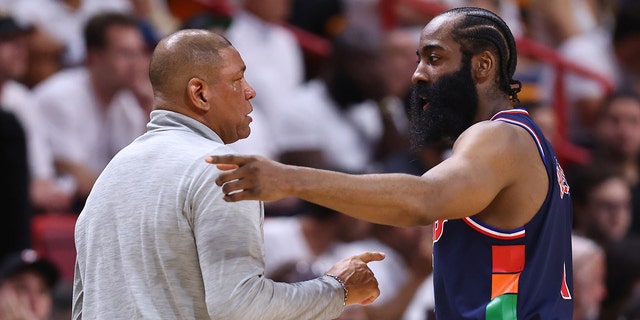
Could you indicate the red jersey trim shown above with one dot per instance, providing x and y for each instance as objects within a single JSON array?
[
  {"x": 526, "y": 127},
  {"x": 564, "y": 290},
  {"x": 511, "y": 111},
  {"x": 519, "y": 233}
]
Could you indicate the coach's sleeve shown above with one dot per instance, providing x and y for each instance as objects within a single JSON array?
[{"x": 229, "y": 240}]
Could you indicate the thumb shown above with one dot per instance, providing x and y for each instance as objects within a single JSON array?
[{"x": 369, "y": 256}]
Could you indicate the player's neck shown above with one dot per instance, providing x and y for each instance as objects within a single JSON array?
[{"x": 491, "y": 101}]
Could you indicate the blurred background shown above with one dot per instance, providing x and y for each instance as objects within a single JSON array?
[{"x": 333, "y": 83}]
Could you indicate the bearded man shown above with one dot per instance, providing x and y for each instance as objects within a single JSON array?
[{"x": 499, "y": 205}]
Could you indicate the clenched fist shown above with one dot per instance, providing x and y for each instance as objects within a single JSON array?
[{"x": 358, "y": 279}]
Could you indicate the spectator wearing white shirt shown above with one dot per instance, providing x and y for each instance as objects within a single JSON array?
[
  {"x": 341, "y": 119},
  {"x": 275, "y": 67},
  {"x": 64, "y": 20},
  {"x": 94, "y": 111},
  {"x": 44, "y": 193},
  {"x": 580, "y": 32},
  {"x": 589, "y": 276},
  {"x": 305, "y": 244}
]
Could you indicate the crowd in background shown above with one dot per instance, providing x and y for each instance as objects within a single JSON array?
[{"x": 333, "y": 80}]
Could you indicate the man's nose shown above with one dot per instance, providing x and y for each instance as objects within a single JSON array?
[
  {"x": 419, "y": 75},
  {"x": 249, "y": 92}
]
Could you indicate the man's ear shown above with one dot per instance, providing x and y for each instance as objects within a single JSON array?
[
  {"x": 196, "y": 94},
  {"x": 483, "y": 66}
]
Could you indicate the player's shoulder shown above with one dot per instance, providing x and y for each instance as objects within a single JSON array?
[
  {"x": 489, "y": 132},
  {"x": 496, "y": 140}
]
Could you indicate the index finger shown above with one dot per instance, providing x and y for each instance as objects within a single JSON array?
[
  {"x": 370, "y": 256},
  {"x": 226, "y": 167},
  {"x": 227, "y": 159}
]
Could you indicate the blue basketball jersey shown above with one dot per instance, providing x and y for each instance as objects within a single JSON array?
[{"x": 481, "y": 272}]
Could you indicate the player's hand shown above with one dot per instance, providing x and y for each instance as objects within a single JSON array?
[
  {"x": 361, "y": 284},
  {"x": 250, "y": 177}
]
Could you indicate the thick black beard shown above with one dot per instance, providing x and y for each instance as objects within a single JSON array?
[{"x": 453, "y": 104}]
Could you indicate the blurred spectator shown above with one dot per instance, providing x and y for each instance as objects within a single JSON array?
[
  {"x": 62, "y": 21},
  {"x": 369, "y": 14},
  {"x": 618, "y": 143},
  {"x": 508, "y": 10},
  {"x": 298, "y": 248},
  {"x": 154, "y": 16},
  {"x": 363, "y": 14},
  {"x": 275, "y": 67},
  {"x": 632, "y": 308},
  {"x": 623, "y": 279},
  {"x": 544, "y": 115},
  {"x": 626, "y": 45},
  {"x": 45, "y": 56},
  {"x": 26, "y": 287},
  {"x": 336, "y": 121},
  {"x": 45, "y": 194},
  {"x": 408, "y": 266},
  {"x": 57, "y": 42},
  {"x": 322, "y": 18},
  {"x": 408, "y": 256},
  {"x": 422, "y": 306},
  {"x": 94, "y": 111},
  {"x": 399, "y": 56},
  {"x": 294, "y": 245},
  {"x": 397, "y": 60},
  {"x": 185, "y": 10},
  {"x": 589, "y": 287},
  {"x": 580, "y": 31},
  {"x": 602, "y": 203},
  {"x": 206, "y": 20},
  {"x": 14, "y": 186}
]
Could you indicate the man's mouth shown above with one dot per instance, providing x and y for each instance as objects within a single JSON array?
[{"x": 425, "y": 103}]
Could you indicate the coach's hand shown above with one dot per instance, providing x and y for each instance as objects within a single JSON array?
[
  {"x": 359, "y": 280},
  {"x": 250, "y": 177}
]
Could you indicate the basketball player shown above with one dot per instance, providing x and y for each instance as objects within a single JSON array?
[{"x": 500, "y": 205}]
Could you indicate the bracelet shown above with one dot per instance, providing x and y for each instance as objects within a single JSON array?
[{"x": 344, "y": 287}]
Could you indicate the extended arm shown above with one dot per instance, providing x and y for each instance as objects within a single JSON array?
[{"x": 460, "y": 186}]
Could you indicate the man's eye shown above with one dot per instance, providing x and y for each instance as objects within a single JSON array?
[{"x": 433, "y": 58}]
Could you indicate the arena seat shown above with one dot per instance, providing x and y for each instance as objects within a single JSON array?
[{"x": 52, "y": 236}]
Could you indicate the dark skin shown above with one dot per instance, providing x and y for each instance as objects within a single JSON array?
[{"x": 495, "y": 167}]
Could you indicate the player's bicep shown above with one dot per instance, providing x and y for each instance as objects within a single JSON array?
[{"x": 472, "y": 177}]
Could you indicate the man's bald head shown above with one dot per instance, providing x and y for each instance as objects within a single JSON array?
[{"x": 181, "y": 56}]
